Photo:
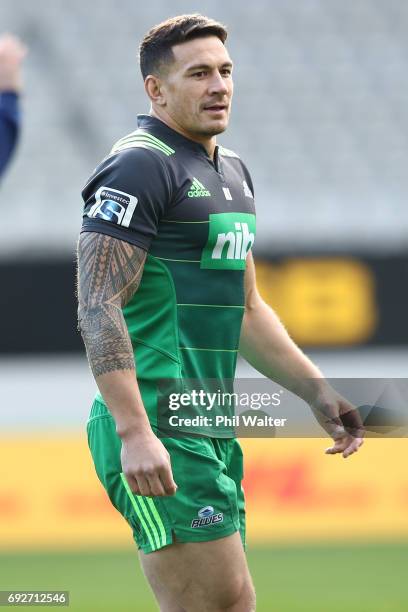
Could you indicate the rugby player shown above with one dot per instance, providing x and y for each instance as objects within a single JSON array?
[{"x": 167, "y": 289}]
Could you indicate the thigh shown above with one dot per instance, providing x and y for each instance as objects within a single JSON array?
[{"x": 201, "y": 576}]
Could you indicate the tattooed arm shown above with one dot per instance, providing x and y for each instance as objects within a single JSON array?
[{"x": 109, "y": 273}]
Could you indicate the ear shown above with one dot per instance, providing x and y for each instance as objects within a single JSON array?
[{"x": 155, "y": 90}]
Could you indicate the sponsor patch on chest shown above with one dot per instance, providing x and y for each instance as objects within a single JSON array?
[{"x": 230, "y": 237}]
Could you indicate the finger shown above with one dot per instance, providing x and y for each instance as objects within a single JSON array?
[
  {"x": 166, "y": 477},
  {"x": 156, "y": 486},
  {"x": 349, "y": 451},
  {"x": 143, "y": 485},
  {"x": 353, "y": 447},
  {"x": 133, "y": 486},
  {"x": 336, "y": 448}
]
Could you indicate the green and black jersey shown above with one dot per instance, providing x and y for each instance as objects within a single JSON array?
[{"x": 195, "y": 217}]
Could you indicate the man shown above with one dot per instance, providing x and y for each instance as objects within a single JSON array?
[
  {"x": 167, "y": 282},
  {"x": 12, "y": 53}
]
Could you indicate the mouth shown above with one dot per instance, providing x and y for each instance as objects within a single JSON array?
[{"x": 215, "y": 108}]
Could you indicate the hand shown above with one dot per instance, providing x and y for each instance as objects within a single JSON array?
[
  {"x": 346, "y": 444},
  {"x": 340, "y": 419},
  {"x": 12, "y": 53},
  {"x": 146, "y": 465}
]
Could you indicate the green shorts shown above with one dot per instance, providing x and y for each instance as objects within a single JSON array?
[{"x": 209, "y": 503}]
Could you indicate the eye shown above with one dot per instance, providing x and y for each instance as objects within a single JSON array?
[
  {"x": 199, "y": 74},
  {"x": 226, "y": 72}
]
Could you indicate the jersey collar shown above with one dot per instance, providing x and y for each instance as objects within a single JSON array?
[{"x": 147, "y": 122}]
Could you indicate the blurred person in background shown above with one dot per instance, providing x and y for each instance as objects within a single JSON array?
[
  {"x": 12, "y": 53},
  {"x": 160, "y": 284}
]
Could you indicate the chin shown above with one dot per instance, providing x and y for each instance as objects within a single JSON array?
[{"x": 217, "y": 127}]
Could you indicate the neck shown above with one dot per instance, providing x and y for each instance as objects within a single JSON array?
[{"x": 208, "y": 142}]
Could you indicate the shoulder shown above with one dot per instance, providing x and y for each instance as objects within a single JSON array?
[
  {"x": 132, "y": 165},
  {"x": 141, "y": 140}
]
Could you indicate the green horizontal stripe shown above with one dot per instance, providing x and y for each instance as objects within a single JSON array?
[
  {"x": 192, "y": 348},
  {"x": 168, "y": 221},
  {"x": 213, "y": 305},
  {"x": 181, "y": 260}
]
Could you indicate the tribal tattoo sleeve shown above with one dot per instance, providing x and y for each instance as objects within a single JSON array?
[{"x": 109, "y": 273}]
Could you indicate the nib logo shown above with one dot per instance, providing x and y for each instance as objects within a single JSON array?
[
  {"x": 197, "y": 190},
  {"x": 231, "y": 236},
  {"x": 236, "y": 243}
]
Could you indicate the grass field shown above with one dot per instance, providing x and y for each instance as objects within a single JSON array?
[{"x": 317, "y": 579}]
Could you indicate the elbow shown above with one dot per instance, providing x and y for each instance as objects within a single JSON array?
[
  {"x": 253, "y": 302},
  {"x": 83, "y": 328},
  {"x": 81, "y": 317},
  {"x": 86, "y": 325}
]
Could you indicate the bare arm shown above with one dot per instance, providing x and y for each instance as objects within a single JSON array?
[
  {"x": 109, "y": 273},
  {"x": 267, "y": 346}
]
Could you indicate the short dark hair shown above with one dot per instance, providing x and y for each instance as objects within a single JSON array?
[{"x": 156, "y": 47}]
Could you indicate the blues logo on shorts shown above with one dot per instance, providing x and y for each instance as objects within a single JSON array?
[{"x": 206, "y": 516}]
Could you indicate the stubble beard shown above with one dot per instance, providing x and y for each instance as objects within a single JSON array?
[
  {"x": 213, "y": 132},
  {"x": 209, "y": 131}
]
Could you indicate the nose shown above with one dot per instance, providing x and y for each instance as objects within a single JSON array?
[{"x": 218, "y": 84}]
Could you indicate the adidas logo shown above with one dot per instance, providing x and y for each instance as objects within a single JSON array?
[{"x": 197, "y": 190}]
